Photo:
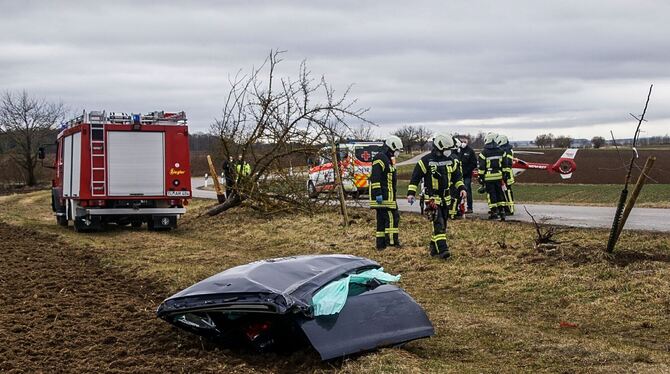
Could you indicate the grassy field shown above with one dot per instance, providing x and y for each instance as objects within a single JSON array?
[{"x": 498, "y": 305}]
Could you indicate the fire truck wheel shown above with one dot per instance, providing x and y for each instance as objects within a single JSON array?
[
  {"x": 162, "y": 223},
  {"x": 84, "y": 225},
  {"x": 136, "y": 224},
  {"x": 311, "y": 190},
  {"x": 62, "y": 220}
]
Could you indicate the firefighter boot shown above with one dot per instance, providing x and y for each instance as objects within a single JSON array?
[
  {"x": 501, "y": 213},
  {"x": 432, "y": 249},
  {"x": 381, "y": 243},
  {"x": 444, "y": 254}
]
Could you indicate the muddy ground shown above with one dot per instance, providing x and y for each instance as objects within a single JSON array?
[{"x": 65, "y": 312}]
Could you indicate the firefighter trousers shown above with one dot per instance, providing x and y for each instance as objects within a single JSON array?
[
  {"x": 495, "y": 195},
  {"x": 387, "y": 227},
  {"x": 454, "y": 205},
  {"x": 509, "y": 200},
  {"x": 438, "y": 241}
]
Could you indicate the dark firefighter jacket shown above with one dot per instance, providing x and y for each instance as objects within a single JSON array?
[
  {"x": 438, "y": 173},
  {"x": 383, "y": 182},
  {"x": 228, "y": 171},
  {"x": 508, "y": 162},
  {"x": 468, "y": 160},
  {"x": 491, "y": 162}
]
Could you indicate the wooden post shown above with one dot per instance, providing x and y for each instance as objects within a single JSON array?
[
  {"x": 217, "y": 186},
  {"x": 338, "y": 183},
  {"x": 636, "y": 192}
]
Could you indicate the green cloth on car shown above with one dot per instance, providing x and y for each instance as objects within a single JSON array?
[{"x": 331, "y": 298}]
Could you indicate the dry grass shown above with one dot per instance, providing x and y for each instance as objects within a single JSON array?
[{"x": 497, "y": 305}]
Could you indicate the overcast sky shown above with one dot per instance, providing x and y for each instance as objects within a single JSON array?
[{"x": 574, "y": 68}]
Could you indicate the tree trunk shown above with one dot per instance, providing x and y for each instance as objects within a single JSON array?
[
  {"x": 339, "y": 185},
  {"x": 31, "y": 180},
  {"x": 231, "y": 202}
]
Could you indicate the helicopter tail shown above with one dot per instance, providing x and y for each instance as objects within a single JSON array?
[{"x": 566, "y": 165}]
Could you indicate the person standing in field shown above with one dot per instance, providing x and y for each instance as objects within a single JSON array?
[
  {"x": 438, "y": 172},
  {"x": 454, "y": 205},
  {"x": 383, "y": 181},
  {"x": 243, "y": 169},
  {"x": 508, "y": 172},
  {"x": 469, "y": 164},
  {"x": 491, "y": 176},
  {"x": 228, "y": 175}
]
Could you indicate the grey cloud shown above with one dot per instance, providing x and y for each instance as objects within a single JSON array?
[{"x": 576, "y": 64}]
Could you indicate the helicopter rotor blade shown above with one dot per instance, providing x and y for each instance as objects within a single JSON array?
[{"x": 528, "y": 153}]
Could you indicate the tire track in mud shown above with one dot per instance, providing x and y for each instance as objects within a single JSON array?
[{"x": 64, "y": 312}]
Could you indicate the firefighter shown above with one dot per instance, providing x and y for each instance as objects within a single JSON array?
[
  {"x": 242, "y": 168},
  {"x": 468, "y": 164},
  {"x": 454, "y": 205},
  {"x": 491, "y": 176},
  {"x": 383, "y": 193},
  {"x": 508, "y": 172},
  {"x": 438, "y": 172}
]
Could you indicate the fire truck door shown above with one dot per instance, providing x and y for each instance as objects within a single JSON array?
[
  {"x": 72, "y": 165},
  {"x": 136, "y": 163}
]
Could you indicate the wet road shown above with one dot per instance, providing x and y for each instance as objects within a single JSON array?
[{"x": 565, "y": 215}]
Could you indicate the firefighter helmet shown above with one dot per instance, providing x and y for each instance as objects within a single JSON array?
[
  {"x": 394, "y": 143},
  {"x": 502, "y": 139},
  {"x": 443, "y": 142},
  {"x": 457, "y": 142},
  {"x": 490, "y": 138}
]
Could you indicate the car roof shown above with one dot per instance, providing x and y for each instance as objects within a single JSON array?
[{"x": 296, "y": 278}]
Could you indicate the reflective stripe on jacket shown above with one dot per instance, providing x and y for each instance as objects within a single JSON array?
[
  {"x": 508, "y": 163},
  {"x": 491, "y": 162},
  {"x": 383, "y": 182},
  {"x": 438, "y": 173}
]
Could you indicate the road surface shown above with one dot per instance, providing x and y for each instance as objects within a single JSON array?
[
  {"x": 412, "y": 160},
  {"x": 578, "y": 216}
]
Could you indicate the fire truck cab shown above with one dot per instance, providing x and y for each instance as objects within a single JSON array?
[
  {"x": 355, "y": 163},
  {"x": 123, "y": 169}
]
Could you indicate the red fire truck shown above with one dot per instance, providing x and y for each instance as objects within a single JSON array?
[{"x": 123, "y": 169}]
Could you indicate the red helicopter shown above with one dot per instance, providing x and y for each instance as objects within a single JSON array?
[{"x": 565, "y": 165}]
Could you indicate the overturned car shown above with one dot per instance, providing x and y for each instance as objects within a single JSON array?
[{"x": 339, "y": 304}]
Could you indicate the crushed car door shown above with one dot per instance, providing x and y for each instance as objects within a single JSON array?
[{"x": 380, "y": 317}]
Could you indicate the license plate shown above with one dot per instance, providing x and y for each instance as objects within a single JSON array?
[{"x": 179, "y": 193}]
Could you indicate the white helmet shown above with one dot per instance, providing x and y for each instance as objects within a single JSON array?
[
  {"x": 457, "y": 142},
  {"x": 443, "y": 142},
  {"x": 490, "y": 138},
  {"x": 394, "y": 143},
  {"x": 502, "y": 139}
]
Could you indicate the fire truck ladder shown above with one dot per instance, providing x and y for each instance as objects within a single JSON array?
[{"x": 98, "y": 163}]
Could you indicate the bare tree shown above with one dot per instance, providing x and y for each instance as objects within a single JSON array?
[
  {"x": 362, "y": 131},
  {"x": 423, "y": 135},
  {"x": 268, "y": 121},
  {"x": 25, "y": 121},
  {"x": 544, "y": 140},
  {"x": 562, "y": 141},
  {"x": 478, "y": 141},
  {"x": 597, "y": 141},
  {"x": 409, "y": 135}
]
